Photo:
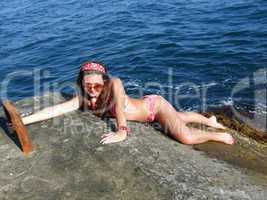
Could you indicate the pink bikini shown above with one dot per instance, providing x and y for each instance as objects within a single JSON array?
[{"x": 150, "y": 100}]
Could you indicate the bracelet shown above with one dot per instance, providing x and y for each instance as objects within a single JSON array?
[{"x": 125, "y": 128}]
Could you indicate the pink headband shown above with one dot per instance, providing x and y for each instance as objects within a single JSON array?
[{"x": 93, "y": 67}]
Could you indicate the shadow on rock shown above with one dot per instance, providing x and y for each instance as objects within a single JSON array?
[{"x": 9, "y": 132}]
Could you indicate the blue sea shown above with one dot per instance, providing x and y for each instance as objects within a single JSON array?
[{"x": 196, "y": 53}]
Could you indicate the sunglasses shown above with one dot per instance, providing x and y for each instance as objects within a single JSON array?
[{"x": 96, "y": 86}]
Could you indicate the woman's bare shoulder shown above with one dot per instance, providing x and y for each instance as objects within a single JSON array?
[
  {"x": 116, "y": 82},
  {"x": 78, "y": 101}
]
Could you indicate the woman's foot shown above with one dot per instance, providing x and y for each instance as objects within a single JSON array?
[
  {"x": 215, "y": 124},
  {"x": 224, "y": 137},
  {"x": 228, "y": 139}
]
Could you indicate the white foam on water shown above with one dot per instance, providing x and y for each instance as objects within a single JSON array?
[{"x": 227, "y": 102}]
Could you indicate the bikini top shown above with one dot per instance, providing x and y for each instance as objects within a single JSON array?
[{"x": 111, "y": 107}]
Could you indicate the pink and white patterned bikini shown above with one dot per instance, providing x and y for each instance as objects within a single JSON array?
[{"x": 151, "y": 103}]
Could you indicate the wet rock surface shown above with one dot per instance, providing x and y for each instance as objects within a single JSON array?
[
  {"x": 69, "y": 163},
  {"x": 251, "y": 149}
]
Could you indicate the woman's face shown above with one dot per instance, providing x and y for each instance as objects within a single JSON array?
[{"x": 93, "y": 85}]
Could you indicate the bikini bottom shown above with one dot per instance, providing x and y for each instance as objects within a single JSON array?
[{"x": 151, "y": 102}]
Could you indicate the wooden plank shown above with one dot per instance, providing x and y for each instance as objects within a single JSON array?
[{"x": 14, "y": 117}]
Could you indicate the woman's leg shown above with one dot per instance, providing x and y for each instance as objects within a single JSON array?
[
  {"x": 173, "y": 123},
  {"x": 189, "y": 117}
]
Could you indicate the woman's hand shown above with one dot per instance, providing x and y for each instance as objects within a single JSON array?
[{"x": 113, "y": 137}]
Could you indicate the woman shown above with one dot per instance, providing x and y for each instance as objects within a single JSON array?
[{"x": 105, "y": 96}]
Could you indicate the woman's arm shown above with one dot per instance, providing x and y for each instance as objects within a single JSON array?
[
  {"x": 52, "y": 111},
  {"x": 119, "y": 100},
  {"x": 119, "y": 97}
]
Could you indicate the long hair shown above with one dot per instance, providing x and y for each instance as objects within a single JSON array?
[{"x": 83, "y": 96}]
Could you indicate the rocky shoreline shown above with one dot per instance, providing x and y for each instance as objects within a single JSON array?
[{"x": 69, "y": 162}]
